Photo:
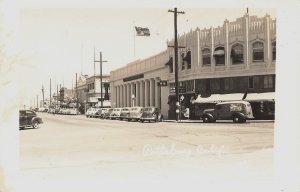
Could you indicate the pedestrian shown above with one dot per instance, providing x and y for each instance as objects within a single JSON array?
[{"x": 187, "y": 113}]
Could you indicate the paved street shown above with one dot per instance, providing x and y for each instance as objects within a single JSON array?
[{"x": 71, "y": 153}]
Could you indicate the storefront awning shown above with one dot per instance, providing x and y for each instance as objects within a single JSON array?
[
  {"x": 214, "y": 98},
  {"x": 260, "y": 96}
]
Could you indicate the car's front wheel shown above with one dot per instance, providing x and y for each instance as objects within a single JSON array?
[
  {"x": 206, "y": 119},
  {"x": 237, "y": 119},
  {"x": 35, "y": 124}
]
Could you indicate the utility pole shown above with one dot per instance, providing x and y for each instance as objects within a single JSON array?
[
  {"x": 50, "y": 95},
  {"x": 37, "y": 101},
  {"x": 43, "y": 94},
  {"x": 76, "y": 95},
  {"x": 101, "y": 92},
  {"x": 176, "y": 60},
  {"x": 56, "y": 95}
]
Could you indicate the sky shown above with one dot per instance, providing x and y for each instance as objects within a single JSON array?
[{"x": 59, "y": 42}]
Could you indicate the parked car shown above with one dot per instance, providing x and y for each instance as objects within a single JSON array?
[
  {"x": 98, "y": 113},
  {"x": 151, "y": 114},
  {"x": 238, "y": 111},
  {"x": 73, "y": 111},
  {"x": 29, "y": 118},
  {"x": 107, "y": 113},
  {"x": 43, "y": 109},
  {"x": 124, "y": 113},
  {"x": 103, "y": 111},
  {"x": 135, "y": 113},
  {"x": 91, "y": 112},
  {"x": 115, "y": 114}
]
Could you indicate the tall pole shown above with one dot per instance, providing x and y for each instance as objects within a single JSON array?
[
  {"x": 50, "y": 94},
  {"x": 57, "y": 96},
  {"x": 101, "y": 91},
  {"x": 76, "y": 94},
  {"x": 37, "y": 101},
  {"x": 43, "y": 95},
  {"x": 101, "y": 79},
  {"x": 176, "y": 61},
  {"x": 94, "y": 71}
]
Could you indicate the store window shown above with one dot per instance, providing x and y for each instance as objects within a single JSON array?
[
  {"x": 268, "y": 81},
  {"x": 206, "y": 56},
  {"x": 250, "y": 82},
  {"x": 258, "y": 52},
  {"x": 274, "y": 50},
  {"x": 219, "y": 55},
  {"x": 228, "y": 84},
  {"x": 190, "y": 86},
  {"x": 237, "y": 55}
]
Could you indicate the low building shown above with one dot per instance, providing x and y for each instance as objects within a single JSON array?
[
  {"x": 88, "y": 90},
  {"x": 238, "y": 57}
]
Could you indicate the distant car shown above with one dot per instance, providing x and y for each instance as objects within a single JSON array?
[
  {"x": 29, "y": 118},
  {"x": 107, "y": 113},
  {"x": 103, "y": 111},
  {"x": 73, "y": 111},
  {"x": 115, "y": 114},
  {"x": 98, "y": 113},
  {"x": 135, "y": 113},
  {"x": 91, "y": 112},
  {"x": 124, "y": 113},
  {"x": 238, "y": 111},
  {"x": 151, "y": 114}
]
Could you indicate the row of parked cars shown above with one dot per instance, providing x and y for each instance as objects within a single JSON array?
[
  {"x": 141, "y": 114},
  {"x": 63, "y": 111}
]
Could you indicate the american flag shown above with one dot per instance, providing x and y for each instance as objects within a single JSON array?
[{"x": 142, "y": 31}]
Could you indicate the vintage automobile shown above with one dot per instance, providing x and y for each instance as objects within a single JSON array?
[
  {"x": 91, "y": 112},
  {"x": 107, "y": 113},
  {"x": 29, "y": 118},
  {"x": 151, "y": 114},
  {"x": 238, "y": 111},
  {"x": 125, "y": 113},
  {"x": 135, "y": 113},
  {"x": 115, "y": 114}
]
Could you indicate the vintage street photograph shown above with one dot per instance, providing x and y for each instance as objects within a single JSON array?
[{"x": 144, "y": 97}]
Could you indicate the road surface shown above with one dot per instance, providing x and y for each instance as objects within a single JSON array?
[{"x": 75, "y": 153}]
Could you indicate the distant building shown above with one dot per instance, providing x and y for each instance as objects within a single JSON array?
[
  {"x": 89, "y": 91},
  {"x": 66, "y": 94},
  {"x": 238, "y": 57}
]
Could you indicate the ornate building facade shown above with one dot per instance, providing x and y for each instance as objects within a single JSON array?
[{"x": 238, "y": 57}]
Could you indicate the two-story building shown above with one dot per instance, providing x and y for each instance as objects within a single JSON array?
[
  {"x": 89, "y": 92},
  {"x": 216, "y": 64}
]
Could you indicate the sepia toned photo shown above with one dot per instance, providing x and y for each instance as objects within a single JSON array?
[{"x": 168, "y": 97}]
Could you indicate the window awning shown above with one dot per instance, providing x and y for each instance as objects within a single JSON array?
[
  {"x": 260, "y": 96},
  {"x": 235, "y": 96},
  {"x": 219, "y": 52},
  {"x": 214, "y": 98}
]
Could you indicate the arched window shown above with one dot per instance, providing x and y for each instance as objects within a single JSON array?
[
  {"x": 237, "y": 54},
  {"x": 187, "y": 58},
  {"x": 206, "y": 56},
  {"x": 258, "y": 52},
  {"x": 170, "y": 64},
  {"x": 219, "y": 55},
  {"x": 274, "y": 50}
]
